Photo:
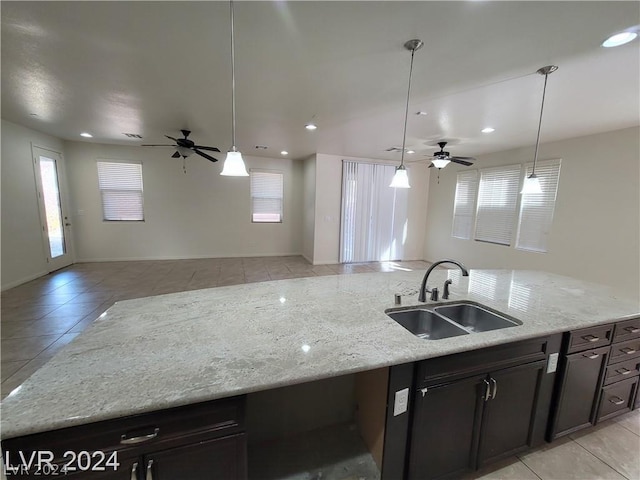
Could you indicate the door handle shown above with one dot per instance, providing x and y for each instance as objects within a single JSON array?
[
  {"x": 149, "y": 475},
  {"x": 616, "y": 400},
  {"x": 134, "y": 471},
  {"x": 495, "y": 388},
  {"x": 487, "y": 390},
  {"x": 591, "y": 338},
  {"x": 591, "y": 356},
  {"x": 142, "y": 438}
]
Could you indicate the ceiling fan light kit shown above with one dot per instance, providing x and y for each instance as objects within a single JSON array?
[
  {"x": 532, "y": 182},
  {"x": 234, "y": 164},
  {"x": 401, "y": 179}
]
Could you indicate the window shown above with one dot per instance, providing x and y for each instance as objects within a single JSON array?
[
  {"x": 266, "y": 196},
  {"x": 536, "y": 209},
  {"x": 121, "y": 190},
  {"x": 464, "y": 207},
  {"x": 497, "y": 200}
]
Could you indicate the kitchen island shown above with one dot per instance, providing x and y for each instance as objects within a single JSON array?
[{"x": 157, "y": 353}]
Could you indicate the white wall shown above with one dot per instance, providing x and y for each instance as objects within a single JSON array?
[
  {"x": 23, "y": 250},
  {"x": 596, "y": 227},
  {"x": 197, "y": 214},
  {"x": 328, "y": 202},
  {"x": 308, "y": 220}
]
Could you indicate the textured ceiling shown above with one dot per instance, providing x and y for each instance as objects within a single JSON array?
[{"x": 152, "y": 68}]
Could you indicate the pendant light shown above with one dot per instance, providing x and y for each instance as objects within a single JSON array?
[
  {"x": 532, "y": 182},
  {"x": 400, "y": 179},
  {"x": 233, "y": 164}
]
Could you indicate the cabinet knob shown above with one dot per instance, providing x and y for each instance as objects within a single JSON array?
[{"x": 134, "y": 471}]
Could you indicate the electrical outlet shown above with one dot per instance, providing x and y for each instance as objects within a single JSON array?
[
  {"x": 401, "y": 402},
  {"x": 552, "y": 363}
]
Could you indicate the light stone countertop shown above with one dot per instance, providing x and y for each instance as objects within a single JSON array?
[{"x": 159, "y": 352}]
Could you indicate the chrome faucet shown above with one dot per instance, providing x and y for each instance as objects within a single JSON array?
[{"x": 422, "y": 296}]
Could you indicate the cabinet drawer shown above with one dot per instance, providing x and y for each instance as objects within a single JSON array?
[
  {"x": 627, "y": 330},
  {"x": 622, "y": 371},
  {"x": 617, "y": 398},
  {"x": 138, "y": 433},
  {"x": 625, "y": 351},
  {"x": 592, "y": 337}
]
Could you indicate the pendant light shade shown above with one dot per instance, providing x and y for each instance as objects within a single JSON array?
[
  {"x": 532, "y": 182},
  {"x": 233, "y": 164},
  {"x": 401, "y": 179}
]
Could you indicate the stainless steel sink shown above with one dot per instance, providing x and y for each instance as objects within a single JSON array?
[
  {"x": 452, "y": 320},
  {"x": 475, "y": 318},
  {"x": 426, "y": 324}
]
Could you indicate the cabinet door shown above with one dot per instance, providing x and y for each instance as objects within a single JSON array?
[
  {"x": 580, "y": 385},
  {"x": 445, "y": 428},
  {"x": 221, "y": 458},
  {"x": 510, "y": 412}
]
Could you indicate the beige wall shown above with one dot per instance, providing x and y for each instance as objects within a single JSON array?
[
  {"x": 596, "y": 227},
  {"x": 23, "y": 250},
  {"x": 309, "y": 216},
  {"x": 328, "y": 203},
  {"x": 197, "y": 214}
]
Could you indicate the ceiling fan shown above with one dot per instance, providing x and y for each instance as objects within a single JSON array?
[
  {"x": 185, "y": 147},
  {"x": 441, "y": 159}
]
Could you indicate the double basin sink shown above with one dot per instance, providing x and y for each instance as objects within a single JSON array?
[{"x": 450, "y": 320}]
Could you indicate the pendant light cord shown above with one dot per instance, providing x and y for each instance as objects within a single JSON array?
[
  {"x": 233, "y": 85},
  {"x": 406, "y": 110},
  {"x": 535, "y": 155}
]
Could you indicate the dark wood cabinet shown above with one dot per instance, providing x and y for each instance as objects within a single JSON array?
[
  {"x": 579, "y": 387},
  {"x": 203, "y": 441},
  {"x": 474, "y": 408}
]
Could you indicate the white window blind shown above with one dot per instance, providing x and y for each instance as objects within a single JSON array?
[
  {"x": 464, "y": 207},
  {"x": 536, "y": 209},
  {"x": 266, "y": 196},
  {"x": 121, "y": 190},
  {"x": 497, "y": 200}
]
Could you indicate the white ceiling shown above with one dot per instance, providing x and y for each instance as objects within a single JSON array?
[{"x": 152, "y": 68}]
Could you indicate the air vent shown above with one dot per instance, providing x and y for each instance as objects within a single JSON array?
[
  {"x": 261, "y": 147},
  {"x": 396, "y": 149},
  {"x": 132, "y": 135}
]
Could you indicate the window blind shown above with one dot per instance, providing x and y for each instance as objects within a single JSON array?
[
  {"x": 121, "y": 190},
  {"x": 266, "y": 196},
  {"x": 536, "y": 209},
  {"x": 465, "y": 204},
  {"x": 497, "y": 200}
]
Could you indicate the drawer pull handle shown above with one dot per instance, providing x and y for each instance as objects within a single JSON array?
[
  {"x": 623, "y": 371},
  {"x": 134, "y": 471},
  {"x": 591, "y": 338},
  {"x": 142, "y": 438},
  {"x": 616, "y": 400},
  {"x": 632, "y": 329},
  {"x": 628, "y": 350},
  {"x": 591, "y": 356},
  {"x": 149, "y": 475}
]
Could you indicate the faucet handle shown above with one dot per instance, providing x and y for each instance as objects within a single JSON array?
[{"x": 434, "y": 294}]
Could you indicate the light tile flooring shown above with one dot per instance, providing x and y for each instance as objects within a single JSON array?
[{"x": 40, "y": 317}]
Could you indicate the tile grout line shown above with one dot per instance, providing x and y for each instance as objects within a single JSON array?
[
  {"x": 528, "y": 467},
  {"x": 601, "y": 460}
]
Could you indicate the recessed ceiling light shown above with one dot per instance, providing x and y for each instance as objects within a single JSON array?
[
  {"x": 86, "y": 135},
  {"x": 421, "y": 113},
  {"x": 619, "y": 39},
  {"x": 310, "y": 126},
  {"x": 488, "y": 130},
  {"x": 411, "y": 151},
  {"x": 284, "y": 152}
]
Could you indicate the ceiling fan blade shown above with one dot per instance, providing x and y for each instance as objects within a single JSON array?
[
  {"x": 460, "y": 161},
  {"x": 431, "y": 165},
  {"x": 175, "y": 155},
  {"x": 171, "y": 138},
  {"x": 146, "y": 145},
  {"x": 208, "y": 157},
  {"x": 202, "y": 147},
  {"x": 468, "y": 159}
]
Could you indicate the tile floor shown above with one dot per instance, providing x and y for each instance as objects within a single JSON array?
[{"x": 41, "y": 316}]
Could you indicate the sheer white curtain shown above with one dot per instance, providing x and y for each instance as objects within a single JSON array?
[{"x": 374, "y": 215}]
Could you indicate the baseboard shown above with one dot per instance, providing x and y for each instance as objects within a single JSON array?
[
  {"x": 23, "y": 280},
  {"x": 184, "y": 257}
]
